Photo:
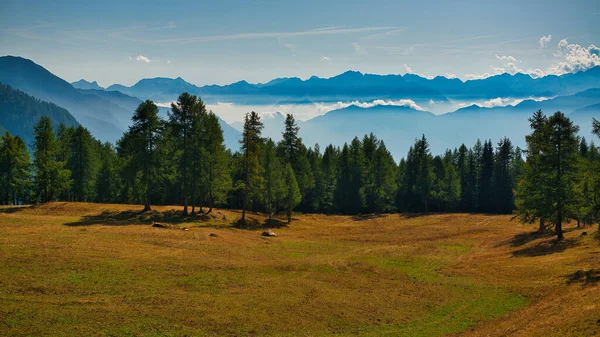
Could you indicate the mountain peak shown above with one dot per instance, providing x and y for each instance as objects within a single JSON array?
[{"x": 83, "y": 84}]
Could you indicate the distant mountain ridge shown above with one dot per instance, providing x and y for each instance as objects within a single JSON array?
[
  {"x": 95, "y": 113},
  {"x": 353, "y": 85},
  {"x": 83, "y": 84}
]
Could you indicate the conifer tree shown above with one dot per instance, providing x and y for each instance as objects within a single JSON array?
[
  {"x": 252, "y": 171},
  {"x": 15, "y": 167},
  {"x": 217, "y": 175},
  {"x": 185, "y": 121},
  {"x": 503, "y": 180},
  {"x": 291, "y": 195},
  {"x": 329, "y": 169},
  {"x": 486, "y": 193},
  {"x": 82, "y": 162},
  {"x": 50, "y": 175},
  {"x": 145, "y": 135},
  {"x": 273, "y": 185}
]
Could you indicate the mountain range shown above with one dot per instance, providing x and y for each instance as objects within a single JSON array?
[{"x": 107, "y": 112}]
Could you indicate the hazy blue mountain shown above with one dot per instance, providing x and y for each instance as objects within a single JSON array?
[
  {"x": 93, "y": 112},
  {"x": 353, "y": 85},
  {"x": 83, "y": 84},
  {"x": 19, "y": 113},
  {"x": 158, "y": 89}
]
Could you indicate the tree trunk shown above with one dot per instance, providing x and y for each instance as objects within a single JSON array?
[
  {"x": 147, "y": 205},
  {"x": 289, "y": 214},
  {"x": 559, "y": 232},
  {"x": 542, "y": 226}
]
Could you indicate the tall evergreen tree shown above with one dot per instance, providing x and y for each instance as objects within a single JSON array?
[
  {"x": 145, "y": 135},
  {"x": 486, "y": 194},
  {"x": 291, "y": 194},
  {"x": 51, "y": 178},
  {"x": 503, "y": 180},
  {"x": 82, "y": 162},
  {"x": 273, "y": 186},
  {"x": 107, "y": 182},
  {"x": 216, "y": 163},
  {"x": 252, "y": 171},
  {"x": 293, "y": 151},
  {"x": 15, "y": 167},
  {"x": 185, "y": 121},
  {"x": 329, "y": 169},
  {"x": 547, "y": 190}
]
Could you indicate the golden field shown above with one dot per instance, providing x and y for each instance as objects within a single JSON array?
[{"x": 77, "y": 269}]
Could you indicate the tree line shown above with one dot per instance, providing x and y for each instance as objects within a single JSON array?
[{"x": 183, "y": 160}]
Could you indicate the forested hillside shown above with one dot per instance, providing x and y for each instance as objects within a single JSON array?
[{"x": 19, "y": 112}]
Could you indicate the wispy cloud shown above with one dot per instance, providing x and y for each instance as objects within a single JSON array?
[
  {"x": 506, "y": 58},
  {"x": 544, "y": 40},
  {"x": 325, "y": 58},
  {"x": 359, "y": 49},
  {"x": 263, "y": 35}
]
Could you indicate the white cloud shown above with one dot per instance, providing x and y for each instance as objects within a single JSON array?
[
  {"x": 506, "y": 58},
  {"x": 142, "y": 58},
  {"x": 544, "y": 40},
  {"x": 501, "y": 101},
  {"x": 571, "y": 58},
  {"x": 408, "y": 69},
  {"x": 478, "y": 76},
  {"x": 325, "y": 58},
  {"x": 447, "y": 75},
  {"x": 326, "y": 107},
  {"x": 168, "y": 61}
]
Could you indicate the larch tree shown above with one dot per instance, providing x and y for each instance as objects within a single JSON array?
[
  {"x": 51, "y": 178},
  {"x": 218, "y": 178},
  {"x": 252, "y": 171},
  {"x": 15, "y": 167},
  {"x": 273, "y": 184},
  {"x": 145, "y": 135},
  {"x": 185, "y": 121},
  {"x": 291, "y": 193}
]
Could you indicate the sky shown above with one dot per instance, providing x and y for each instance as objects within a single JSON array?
[{"x": 220, "y": 42}]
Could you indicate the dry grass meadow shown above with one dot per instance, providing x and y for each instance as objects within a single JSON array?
[{"x": 73, "y": 269}]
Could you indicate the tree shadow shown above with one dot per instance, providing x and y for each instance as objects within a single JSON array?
[
  {"x": 370, "y": 216},
  {"x": 15, "y": 209},
  {"x": 545, "y": 248},
  {"x": 524, "y": 238},
  {"x": 253, "y": 224},
  {"x": 591, "y": 276},
  {"x": 127, "y": 218}
]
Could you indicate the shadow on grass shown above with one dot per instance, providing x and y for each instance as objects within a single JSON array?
[
  {"x": 127, "y": 218},
  {"x": 364, "y": 217},
  {"x": 524, "y": 238},
  {"x": 591, "y": 276},
  {"x": 545, "y": 248},
  {"x": 15, "y": 209},
  {"x": 252, "y": 224}
]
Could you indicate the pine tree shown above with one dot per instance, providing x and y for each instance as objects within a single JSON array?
[
  {"x": 82, "y": 162},
  {"x": 107, "y": 182},
  {"x": 273, "y": 186},
  {"x": 291, "y": 195},
  {"x": 293, "y": 152},
  {"x": 145, "y": 135},
  {"x": 185, "y": 120},
  {"x": 547, "y": 190},
  {"x": 15, "y": 167},
  {"x": 503, "y": 180},
  {"x": 329, "y": 169},
  {"x": 252, "y": 171},
  {"x": 486, "y": 195},
  {"x": 217, "y": 175},
  {"x": 51, "y": 178}
]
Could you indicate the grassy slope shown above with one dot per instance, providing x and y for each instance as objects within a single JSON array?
[{"x": 85, "y": 269}]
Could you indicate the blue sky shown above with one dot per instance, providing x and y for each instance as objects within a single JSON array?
[{"x": 225, "y": 41}]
